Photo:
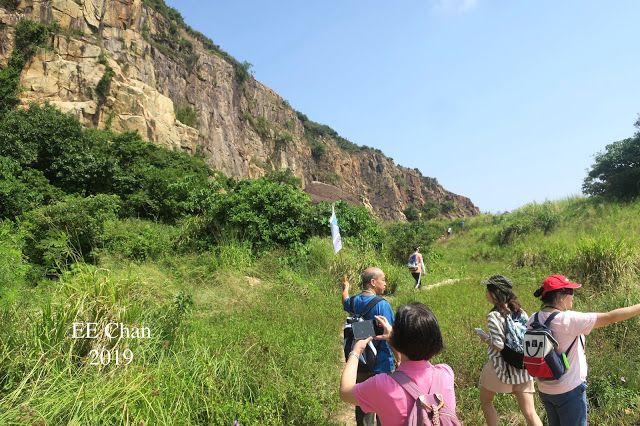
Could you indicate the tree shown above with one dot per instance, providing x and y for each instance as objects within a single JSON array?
[{"x": 616, "y": 172}]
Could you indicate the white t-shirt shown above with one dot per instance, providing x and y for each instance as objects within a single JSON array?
[{"x": 566, "y": 326}]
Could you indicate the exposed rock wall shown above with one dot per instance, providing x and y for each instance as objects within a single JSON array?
[{"x": 243, "y": 128}]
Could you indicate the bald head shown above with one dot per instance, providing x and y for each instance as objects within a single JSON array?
[{"x": 369, "y": 274}]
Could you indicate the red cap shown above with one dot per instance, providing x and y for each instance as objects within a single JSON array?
[{"x": 556, "y": 282}]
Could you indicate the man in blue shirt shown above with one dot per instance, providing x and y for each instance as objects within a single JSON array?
[{"x": 373, "y": 284}]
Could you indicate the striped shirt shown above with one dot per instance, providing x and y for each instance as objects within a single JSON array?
[{"x": 505, "y": 372}]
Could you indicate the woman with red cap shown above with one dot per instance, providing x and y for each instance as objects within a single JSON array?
[{"x": 565, "y": 399}]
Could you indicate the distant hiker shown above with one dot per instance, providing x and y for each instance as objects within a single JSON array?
[
  {"x": 416, "y": 337},
  {"x": 506, "y": 323},
  {"x": 416, "y": 266},
  {"x": 565, "y": 399},
  {"x": 373, "y": 284},
  {"x": 449, "y": 231}
]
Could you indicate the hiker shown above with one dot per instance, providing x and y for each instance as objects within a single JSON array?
[
  {"x": 449, "y": 230},
  {"x": 373, "y": 284},
  {"x": 416, "y": 266},
  {"x": 416, "y": 337},
  {"x": 565, "y": 399},
  {"x": 498, "y": 376}
]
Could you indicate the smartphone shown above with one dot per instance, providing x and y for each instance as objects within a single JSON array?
[
  {"x": 363, "y": 329},
  {"x": 482, "y": 334}
]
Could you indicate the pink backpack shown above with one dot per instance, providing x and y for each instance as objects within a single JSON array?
[{"x": 429, "y": 408}]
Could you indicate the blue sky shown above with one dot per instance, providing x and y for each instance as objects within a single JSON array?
[{"x": 505, "y": 102}]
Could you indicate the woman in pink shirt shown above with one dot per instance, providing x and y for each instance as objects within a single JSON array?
[
  {"x": 416, "y": 338},
  {"x": 565, "y": 399}
]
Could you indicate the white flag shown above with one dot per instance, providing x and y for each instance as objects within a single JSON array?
[{"x": 335, "y": 231}]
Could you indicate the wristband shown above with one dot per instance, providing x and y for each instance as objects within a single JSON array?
[{"x": 355, "y": 354}]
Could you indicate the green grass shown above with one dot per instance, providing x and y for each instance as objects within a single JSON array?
[{"x": 258, "y": 339}]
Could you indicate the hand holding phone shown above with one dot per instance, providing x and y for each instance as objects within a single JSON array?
[
  {"x": 363, "y": 329},
  {"x": 483, "y": 335}
]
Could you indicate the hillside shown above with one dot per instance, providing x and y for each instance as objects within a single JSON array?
[{"x": 136, "y": 66}]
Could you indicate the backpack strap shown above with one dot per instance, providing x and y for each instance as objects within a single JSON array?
[
  {"x": 548, "y": 321},
  {"x": 373, "y": 302},
  {"x": 551, "y": 317},
  {"x": 416, "y": 416}
]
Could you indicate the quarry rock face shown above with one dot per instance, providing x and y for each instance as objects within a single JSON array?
[{"x": 158, "y": 71}]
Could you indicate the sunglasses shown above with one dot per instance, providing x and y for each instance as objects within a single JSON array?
[{"x": 567, "y": 291}]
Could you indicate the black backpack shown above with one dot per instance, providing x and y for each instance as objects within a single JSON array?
[{"x": 370, "y": 354}]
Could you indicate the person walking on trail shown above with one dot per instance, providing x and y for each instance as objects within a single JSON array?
[
  {"x": 373, "y": 283},
  {"x": 416, "y": 337},
  {"x": 449, "y": 230},
  {"x": 565, "y": 399},
  {"x": 416, "y": 266},
  {"x": 497, "y": 375}
]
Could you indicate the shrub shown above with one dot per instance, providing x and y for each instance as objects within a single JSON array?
[
  {"x": 139, "y": 240},
  {"x": 102, "y": 88},
  {"x": 604, "y": 262},
  {"x": 355, "y": 222},
  {"x": 264, "y": 212},
  {"x": 60, "y": 234},
  {"x": 55, "y": 143},
  {"x": 403, "y": 237},
  {"x": 22, "y": 190},
  {"x": 187, "y": 115}
]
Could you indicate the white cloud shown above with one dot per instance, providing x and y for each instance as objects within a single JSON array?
[{"x": 455, "y": 6}]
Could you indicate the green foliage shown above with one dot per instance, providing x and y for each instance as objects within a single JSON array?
[
  {"x": 411, "y": 213},
  {"x": 355, "y": 222},
  {"x": 13, "y": 268},
  {"x": 318, "y": 149},
  {"x": 447, "y": 206},
  {"x": 160, "y": 184},
  {"x": 604, "y": 262},
  {"x": 29, "y": 36},
  {"x": 243, "y": 71},
  {"x": 616, "y": 172},
  {"x": 23, "y": 189},
  {"x": 543, "y": 217},
  {"x": 60, "y": 234},
  {"x": 401, "y": 238},
  {"x": 9, "y": 4},
  {"x": 317, "y": 131},
  {"x": 430, "y": 210},
  {"x": 139, "y": 240},
  {"x": 283, "y": 139},
  {"x": 187, "y": 115},
  {"x": 285, "y": 176},
  {"x": 102, "y": 88},
  {"x": 55, "y": 143},
  {"x": 264, "y": 212}
]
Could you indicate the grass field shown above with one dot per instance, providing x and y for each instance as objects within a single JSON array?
[{"x": 257, "y": 339}]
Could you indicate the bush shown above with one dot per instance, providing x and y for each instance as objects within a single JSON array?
[
  {"x": 22, "y": 190},
  {"x": 604, "y": 262},
  {"x": 140, "y": 240},
  {"x": 544, "y": 217},
  {"x": 66, "y": 232},
  {"x": 187, "y": 115},
  {"x": 403, "y": 237},
  {"x": 266, "y": 213},
  {"x": 28, "y": 37},
  {"x": 55, "y": 143},
  {"x": 355, "y": 223}
]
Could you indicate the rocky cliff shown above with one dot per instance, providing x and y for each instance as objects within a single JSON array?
[{"x": 133, "y": 65}]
